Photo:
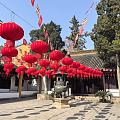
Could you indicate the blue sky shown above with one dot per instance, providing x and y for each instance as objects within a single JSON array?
[{"x": 59, "y": 11}]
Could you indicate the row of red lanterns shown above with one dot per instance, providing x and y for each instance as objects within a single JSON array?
[
  {"x": 72, "y": 68},
  {"x": 12, "y": 32}
]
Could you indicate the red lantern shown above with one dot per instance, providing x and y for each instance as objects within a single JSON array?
[
  {"x": 44, "y": 63},
  {"x": 38, "y": 56},
  {"x": 11, "y": 31},
  {"x": 30, "y": 59},
  {"x": 48, "y": 73},
  {"x": 74, "y": 72},
  {"x": 6, "y": 59},
  {"x": 69, "y": 70},
  {"x": 82, "y": 67},
  {"x": 54, "y": 66},
  {"x": 63, "y": 69},
  {"x": 54, "y": 72},
  {"x": 70, "y": 75},
  {"x": 56, "y": 55},
  {"x": 42, "y": 72},
  {"x": 10, "y": 43},
  {"x": 21, "y": 69},
  {"x": 8, "y": 67},
  {"x": 67, "y": 61},
  {"x": 30, "y": 71},
  {"x": 79, "y": 73},
  {"x": 36, "y": 72},
  {"x": 39, "y": 46},
  {"x": 75, "y": 64},
  {"x": 9, "y": 51}
]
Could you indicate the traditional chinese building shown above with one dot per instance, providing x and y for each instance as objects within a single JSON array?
[
  {"x": 91, "y": 86},
  {"x": 79, "y": 86}
]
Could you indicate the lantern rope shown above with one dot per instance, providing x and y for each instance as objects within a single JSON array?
[{"x": 17, "y": 15}]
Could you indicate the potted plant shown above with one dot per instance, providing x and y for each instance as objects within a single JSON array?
[{"x": 104, "y": 96}]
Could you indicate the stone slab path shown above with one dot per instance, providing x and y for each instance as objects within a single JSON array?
[{"x": 42, "y": 110}]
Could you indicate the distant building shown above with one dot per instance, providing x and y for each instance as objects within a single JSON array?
[{"x": 22, "y": 50}]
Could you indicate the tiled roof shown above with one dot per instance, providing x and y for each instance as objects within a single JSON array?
[{"x": 90, "y": 60}]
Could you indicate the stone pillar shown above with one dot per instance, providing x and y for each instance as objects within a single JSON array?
[
  {"x": 44, "y": 95},
  {"x": 104, "y": 84},
  {"x": 12, "y": 87},
  {"x": 49, "y": 84},
  {"x": 45, "y": 84},
  {"x": 25, "y": 85}
]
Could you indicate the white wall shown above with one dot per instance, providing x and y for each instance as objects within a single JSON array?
[
  {"x": 115, "y": 92},
  {"x": 15, "y": 95}
]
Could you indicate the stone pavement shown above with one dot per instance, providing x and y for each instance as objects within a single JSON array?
[{"x": 42, "y": 110}]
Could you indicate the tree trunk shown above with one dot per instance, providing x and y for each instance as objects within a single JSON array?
[
  {"x": 20, "y": 85},
  {"x": 118, "y": 73}
]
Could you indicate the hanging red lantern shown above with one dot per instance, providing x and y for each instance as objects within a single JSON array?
[
  {"x": 30, "y": 71},
  {"x": 63, "y": 69},
  {"x": 67, "y": 61},
  {"x": 55, "y": 65},
  {"x": 69, "y": 70},
  {"x": 17, "y": 70},
  {"x": 39, "y": 46},
  {"x": 8, "y": 67},
  {"x": 38, "y": 56},
  {"x": 56, "y": 55},
  {"x": 30, "y": 58},
  {"x": 48, "y": 73},
  {"x": 79, "y": 72},
  {"x": 42, "y": 72},
  {"x": 21, "y": 69},
  {"x": 74, "y": 72},
  {"x": 44, "y": 63},
  {"x": 75, "y": 64},
  {"x": 11, "y": 31},
  {"x": 24, "y": 42},
  {"x": 54, "y": 72},
  {"x": 70, "y": 75},
  {"x": 10, "y": 43},
  {"x": 36, "y": 73},
  {"x": 9, "y": 51},
  {"x": 6, "y": 59},
  {"x": 82, "y": 67}
]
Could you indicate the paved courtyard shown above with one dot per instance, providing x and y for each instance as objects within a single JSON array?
[{"x": 42, "y": 110}]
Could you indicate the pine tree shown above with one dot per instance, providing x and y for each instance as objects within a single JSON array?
[
  {"x": 54, "y": 32},
  {"x": 74, "y": 28},
  {"x": 106, "y": 32},
  {"x": 80, "y": 43}
]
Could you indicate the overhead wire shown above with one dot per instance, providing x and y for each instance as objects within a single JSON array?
[{"x": 17, "y": 15}]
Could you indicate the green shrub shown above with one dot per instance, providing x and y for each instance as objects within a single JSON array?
[{"x": 105, "y": 96}]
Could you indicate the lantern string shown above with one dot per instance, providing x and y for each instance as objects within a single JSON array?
[{"x": 17, "y": 15}]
